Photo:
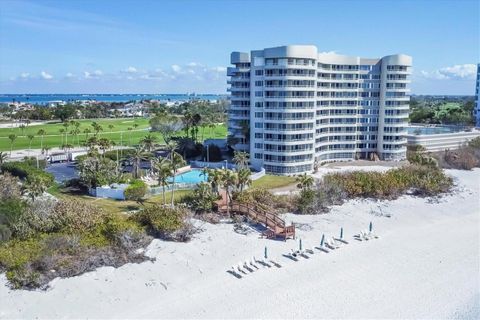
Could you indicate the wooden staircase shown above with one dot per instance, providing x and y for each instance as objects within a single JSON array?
[{"x": 275, "y": 225}]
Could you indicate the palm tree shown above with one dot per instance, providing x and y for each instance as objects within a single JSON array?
[
  {"x": 305, "y": 181},
  {"x": 176, "y": 162},
  {"x": 229, "y": 180},
  {"x": 104, "y": 144},
  {"x": 75, "y": 133},
  {"x": 243, "y": 178},
  {"x": 135, "y": 125},
  {"x": 12, "y": 138},
  {"x": 61, "y": 133},
  {"x": 45, "y": 150},
  {"x": 148, "y": 142},
  {"x": 241, "y": 159},
  {"x": 86, "y": 131},
  {"x": 163, "y": 169},
  {"x": 136, "y": 158},
  {"x": 130, "y": 135},
  {"x": 96, "y": 127},
  {"x": 184, "y": 145},
  {"x": 215, "y": 178},
  {"x": 22, "y": 127},
  {"x": 3, "y": 158},
  {"x": 66, "y": 125},
  {"x": 30, "y": 139},
  {"x": 41, "y": 133},
  {"x": 111, "y": 126}
]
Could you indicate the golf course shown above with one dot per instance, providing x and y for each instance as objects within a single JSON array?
[{"x": 123, "y": 131}]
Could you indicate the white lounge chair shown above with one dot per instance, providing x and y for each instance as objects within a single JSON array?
[
  {"x": 246, "y": 265},
  {"x": 311, "y": 251},
  {"x": 372, "y": 235},
  {"x": 253, "y": 263},
  {"x": 239, "y": 268}
]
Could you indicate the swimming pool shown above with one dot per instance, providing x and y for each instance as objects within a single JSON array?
[
  {"x": 193, "y": 176},
  {"x": 418, "y": 130}
]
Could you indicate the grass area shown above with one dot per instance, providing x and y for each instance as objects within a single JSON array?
[
  {"x": 119, "y": 133},
  {"x": 117, "y": 206},
  {"x": 272, "y": 182}
]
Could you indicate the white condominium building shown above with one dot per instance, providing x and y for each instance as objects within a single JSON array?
[
  {"x": 476, "y": 110},
  {"x": 293, "y": 108}
]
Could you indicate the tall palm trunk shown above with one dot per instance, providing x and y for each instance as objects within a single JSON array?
[
  {"x": 164, "y": 196},
  {"x": 173, "y": 187}
]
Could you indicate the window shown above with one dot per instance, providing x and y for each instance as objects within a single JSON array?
[
  {"x": 258, "y": 93},
  {"x": 258, "y": 83},
  {"x": 259, "y": 72}
]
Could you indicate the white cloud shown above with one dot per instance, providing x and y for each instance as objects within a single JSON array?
[
  {"x": 46, "y": 75},
  {"x": 458, "y": 72},
  {"x": 220, "y": 69},
  {"x": 176, "y": 68},
  {"x": 131, "y": 70},
  {"x": 69, "y": 75},
  {"x": 24, "y": 75},
  {"x": 328, "y": 52},
  {"x": 92, "y": 75}
]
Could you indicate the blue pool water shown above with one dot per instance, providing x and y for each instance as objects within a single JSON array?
[
  {"x": 192, "y": 176},
  {"x": 432, "y": 130}
]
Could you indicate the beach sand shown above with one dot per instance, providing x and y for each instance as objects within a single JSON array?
[{"x": 424, "y": 265}]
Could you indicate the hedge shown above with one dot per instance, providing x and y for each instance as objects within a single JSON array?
[{"x": 24, "y": 170}]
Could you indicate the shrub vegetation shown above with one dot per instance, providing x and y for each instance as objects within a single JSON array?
[
  {"x": 136, "y": 191},
  {"x": 25, "y": 170},
  {"x": 336, "y": 187}
]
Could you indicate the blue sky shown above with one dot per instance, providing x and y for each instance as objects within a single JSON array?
[{"x": 183, "y": 46}]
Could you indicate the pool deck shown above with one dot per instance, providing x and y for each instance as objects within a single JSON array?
[
  {"x": 442, "y": 141},
  {"x": 183, "y": 170}
]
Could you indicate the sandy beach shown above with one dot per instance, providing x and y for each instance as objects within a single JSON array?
[{"x": 424, "y": 265}]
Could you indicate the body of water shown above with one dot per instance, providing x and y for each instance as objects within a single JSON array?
[
  {"x": 193, "y": 176},
  {"x": 47, "y": 98},
  {"x": 421, "y": 130}
]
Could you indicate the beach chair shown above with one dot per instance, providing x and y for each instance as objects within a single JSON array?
[
  {"x": 266, "y": 263},
  {"x": 331, "y": 244},
  {"x": 246, "y": 265},
  {"x": 311, "y": 251},
  {"x": 372, "y": 235},
  {"x": 293, "y": 255},
  {"x": 239, "y": 268},
  {"x": 275, "y": 263},
  {"x": 234, "y": 272},
  {"x": 253, "y": 264}
]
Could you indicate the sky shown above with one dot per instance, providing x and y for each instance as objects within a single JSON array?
[{"x": 123, "y": 46}]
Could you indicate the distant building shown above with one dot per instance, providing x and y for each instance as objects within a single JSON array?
[
  {"x": 476, "y": 110},
  {"x": 293, "y": 107}
]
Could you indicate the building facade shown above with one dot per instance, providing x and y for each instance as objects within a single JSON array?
[
  {"x": 476, "y": 110},
  {"x": 293, "y": 108}
]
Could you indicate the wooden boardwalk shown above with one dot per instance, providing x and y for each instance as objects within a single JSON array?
[{"x": 275, "y": 225}]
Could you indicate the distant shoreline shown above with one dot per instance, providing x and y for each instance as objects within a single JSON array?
[{"x": 103, "y": 97}]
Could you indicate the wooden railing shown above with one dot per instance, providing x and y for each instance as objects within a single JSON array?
[{"x": 271, "y": 220}]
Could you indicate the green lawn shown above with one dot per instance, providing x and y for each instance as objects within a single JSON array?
[
  {"x": 272, "y": 182},
  {"x": 117, "y": 206},
  {"x": 119, "y": 133}
]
